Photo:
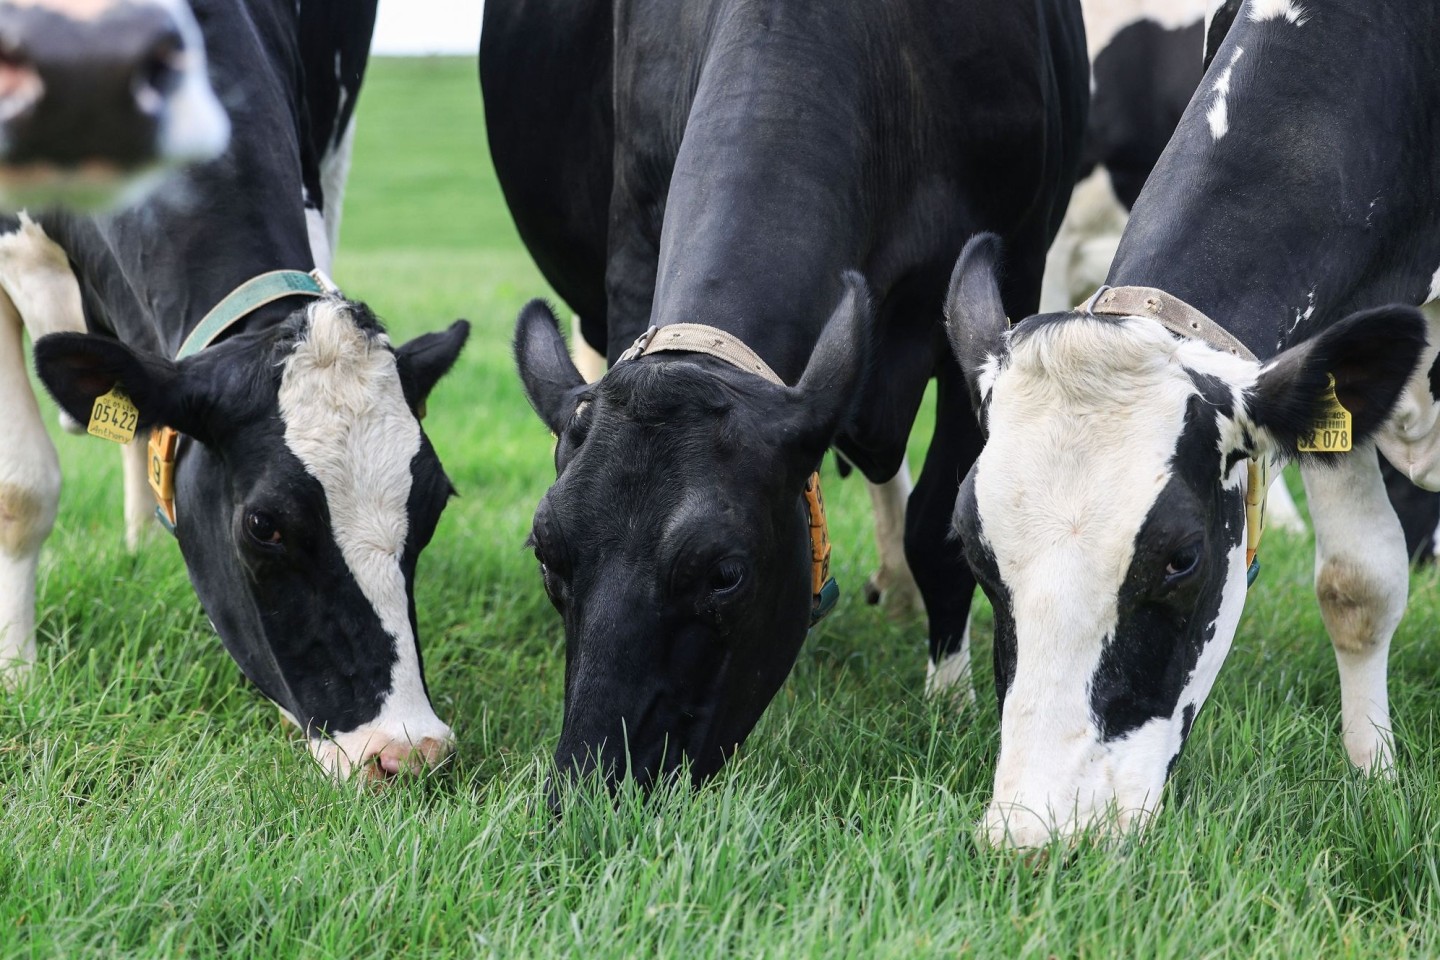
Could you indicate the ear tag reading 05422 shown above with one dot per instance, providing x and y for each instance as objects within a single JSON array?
[
  {"x": 1331, "y": 431},
  {"x": 113, "y": 417}
]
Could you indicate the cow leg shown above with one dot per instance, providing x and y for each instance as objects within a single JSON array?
[
  {"x": 941, "y": 571},
  {"x": 587, "y": 359},
  {"x": 1281, "y": 511},
  {"x": 139, "y": 502},
  {"x": 29, "y": 499},
  {"x": 1079, "y": 258},
  {"x": 892, "y": 586},
  {"x": 1362, "y": 581}
]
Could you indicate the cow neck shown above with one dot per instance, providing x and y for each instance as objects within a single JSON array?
[
  {"x": 1188, "y": 323},
  {"x": 714, "y": 342}
]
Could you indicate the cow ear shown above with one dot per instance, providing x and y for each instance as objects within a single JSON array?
[
  {"x": 77, "y": 368},
  {"x": 427, "y": 358},
  {"x": 549, "y": 375},
  {"x": 974, "y": 313},
  {"x": 1371, "y": 355},
  {"x": 834, "y": 378}
]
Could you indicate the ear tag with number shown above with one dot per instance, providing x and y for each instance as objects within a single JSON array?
[
  {"x": 1331, "y": 432},
  {"x": 113, "y": 417}
]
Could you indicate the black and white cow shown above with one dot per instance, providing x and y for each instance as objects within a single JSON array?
[
  {"x": 745, "y": 157},
  {"x": 305, "y": 487},
  {"x": 1104, "y": 516},
  {"x": 98, "y": 98}
]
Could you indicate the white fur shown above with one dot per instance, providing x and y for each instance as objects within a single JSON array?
[
  {"x": 1218, "y": 116},
  {"x": 39, "y": 292},
  {"x": 1083, "y": 424},
  {"x": 1079, "y": 259},
  {"x": 1410, "y": 439},
  {"x": 588, "y": 360},
  {"x": 319, "y": 237},
  {"x": 1281, "y": 511},
  {"x": 1289, "y": 10},
  {"x": 950, "y": 677},
  {"x": 1105, "y": 18},
  {"x": 334, "y": 174},
  {"x": 1362, "y": 581},
  {"x": 893, "y": 580},
  {"x": 196, "y": 126},
  {"x": 347, "y": 421},
  {"x": 1434, "y": 293}
]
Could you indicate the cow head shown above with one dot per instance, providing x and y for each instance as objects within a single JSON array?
[
  {"x": 97, "y": 96},
  {"x": 675, "y": 541},
  {"x": 304, "y": 494},
  {"x": 1105, "y": 521}
]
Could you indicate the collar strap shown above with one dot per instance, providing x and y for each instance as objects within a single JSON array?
[
  {"x": 1187, "y": 323},
  {"x": 1171, "y": 312},
  {"x": 251, "y": 296},
  {"x": 698, "y": 338},
  {"x": 239, "y": 303}
]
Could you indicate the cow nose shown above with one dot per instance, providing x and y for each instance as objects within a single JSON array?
[
  {"x": 398, "y": 757},
  {"x": 96, "y": 90}
]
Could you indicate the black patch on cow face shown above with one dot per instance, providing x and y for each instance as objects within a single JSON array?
[
  {"x": 981, "y": 558},
  {"x": 291, "y": 614},
  {"x": 675, "y": 546},
  {"x": 1171, "y": 595}
]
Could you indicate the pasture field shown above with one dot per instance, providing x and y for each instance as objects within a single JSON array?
[{"x": 152, "y": 804}]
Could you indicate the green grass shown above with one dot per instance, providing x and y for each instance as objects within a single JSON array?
[{"x": 151, "y": 803}]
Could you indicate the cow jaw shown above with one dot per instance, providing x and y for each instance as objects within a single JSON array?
[
  {"x": 1087, "y": 427},
  {"x": 347, "y": 422}
]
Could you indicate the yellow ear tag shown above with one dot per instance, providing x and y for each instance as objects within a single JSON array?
[
  {"x": 1331, "y": 431},
  {"x": 114, "y": 417}
]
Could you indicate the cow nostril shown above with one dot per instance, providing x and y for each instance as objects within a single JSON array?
[{"x": 158, "y": 73}]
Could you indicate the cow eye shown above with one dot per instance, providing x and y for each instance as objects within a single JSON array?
[
  {"x": 263, "y": 529},
  {"x": 1182, "y": 563},
  {"x": 726, "y": 577}
]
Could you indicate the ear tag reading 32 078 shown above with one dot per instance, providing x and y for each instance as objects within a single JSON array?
[
  {"x": 114, "y": 417},
  {"x": 1331, "y": 431}
]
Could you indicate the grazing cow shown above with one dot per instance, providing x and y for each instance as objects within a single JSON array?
[
  {"x": 745, "y": 157},
  {"x": 303, "y": 485},
  {"x": 99, "y": 97},
  {"x": 1145, "y": 62},
  {"x": 1106, "y": 515}
]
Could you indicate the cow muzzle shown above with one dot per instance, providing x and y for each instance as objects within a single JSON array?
[
  {"x": 377, "y": 752},
  {"x": 95, "y": 96}
]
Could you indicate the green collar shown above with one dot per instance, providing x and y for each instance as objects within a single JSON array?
[{"x": 251, "y": 296}]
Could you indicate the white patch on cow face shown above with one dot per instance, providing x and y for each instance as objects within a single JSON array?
[
  {"x": 347, "y": 422},
  {"x": 1260, "y": 10},
  {"x": 1084, "y": 421},
  {"x": 196, "y": 126},
  {"x": 1218, "y": 116}
]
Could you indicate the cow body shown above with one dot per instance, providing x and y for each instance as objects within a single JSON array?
[
  {"x": 1275, "y": 214},
  {"x": 745, "y": 157},
  {"x": 98, "y": 98},
  {"x": 304, "y": 487}
]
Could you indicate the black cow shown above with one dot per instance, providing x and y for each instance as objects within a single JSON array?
[
  {"x": 724, "y": 164},
  {"x": 304, "y": 488},
  {"x": 99, "y": 97},
  {"x": 1106, "y": 516}
]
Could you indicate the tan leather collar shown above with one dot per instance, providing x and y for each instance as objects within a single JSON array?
[
  {"x": 698, "y": 338},
  {"x": 1174, "y": 314}
]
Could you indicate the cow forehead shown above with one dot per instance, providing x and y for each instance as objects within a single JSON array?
[
  {"x": 1084, "y": 421},
  {"x": 347, "y": 422}
]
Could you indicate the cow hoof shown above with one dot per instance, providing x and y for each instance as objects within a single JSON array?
[{"x": 900, "y": 602}]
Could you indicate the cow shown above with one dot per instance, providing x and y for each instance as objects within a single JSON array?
[
  {"x": 99, "y": 99},
  {"x": 288, "y": 455},
  {"x": 778, "y": 191},
  {"x": 1257, "y": 310}
]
